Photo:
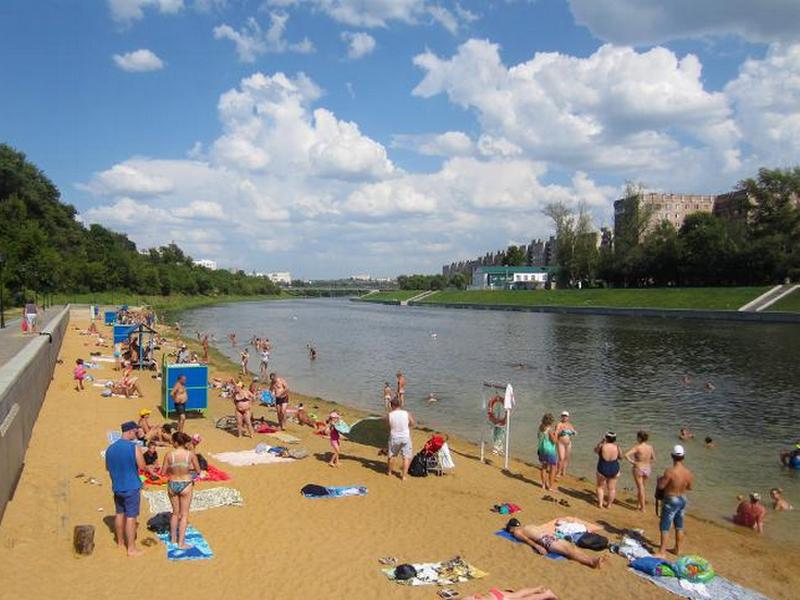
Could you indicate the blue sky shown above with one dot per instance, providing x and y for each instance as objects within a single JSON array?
[{"x": 336, "y": 137}]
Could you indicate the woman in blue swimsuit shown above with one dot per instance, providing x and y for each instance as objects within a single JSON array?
[
  {"x": 178, "y": 465},
  {"x": 608, "y": 456}
]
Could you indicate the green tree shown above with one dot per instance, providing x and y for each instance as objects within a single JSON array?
[{"x": 514, "y": 256}]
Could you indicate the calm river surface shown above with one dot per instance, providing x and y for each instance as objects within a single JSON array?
[{"x": 617, "y": 373}]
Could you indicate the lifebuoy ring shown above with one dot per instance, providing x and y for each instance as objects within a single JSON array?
[{"x": 490, "y": 412}]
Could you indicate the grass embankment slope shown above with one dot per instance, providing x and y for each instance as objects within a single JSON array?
[
  {"x": 790, "y": 303},
  {"x": 728, "y": 298},
  {"x": 393, "y": 296},
  {"x": 161, "y": 303}
]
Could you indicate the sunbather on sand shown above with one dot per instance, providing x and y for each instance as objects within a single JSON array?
[
  {"x": 544, "y": 542},
  {"x": 537, "y": 593}
]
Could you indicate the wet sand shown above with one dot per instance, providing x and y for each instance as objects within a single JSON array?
[{"x": 280, "y": 545}]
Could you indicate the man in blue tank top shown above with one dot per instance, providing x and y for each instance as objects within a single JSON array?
[{"x": 123, "y": 461}]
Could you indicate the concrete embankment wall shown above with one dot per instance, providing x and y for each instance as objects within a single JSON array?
[
  {"x": 23, "y": 384},
  {"x": 665, "y": 313}
]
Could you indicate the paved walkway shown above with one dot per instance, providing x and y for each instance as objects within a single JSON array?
[{"x": 12, "y": 339}]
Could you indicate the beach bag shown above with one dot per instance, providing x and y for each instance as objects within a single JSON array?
[
  {"x": 404, "y": 572},
  {"x": 201, "y": 460},
  {"x": 592, "y": 541},
  {"x": 312, "y": 489},
  {"x": 418, "y": 468},
  {"x": 159, "y": 523},
  {"x": 652, "y": 565},
  {"x": 24, "y": 324}
]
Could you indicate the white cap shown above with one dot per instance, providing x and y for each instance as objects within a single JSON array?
[
  {"x": 564, "y": 413},
  {"x": 678, "y": 450}
]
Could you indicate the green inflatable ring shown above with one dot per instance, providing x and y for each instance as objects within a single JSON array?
[{"x": 694, "y": 568}]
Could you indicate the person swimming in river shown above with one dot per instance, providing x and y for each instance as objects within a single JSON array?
[
  {"x": 685, "y": 434},
  {"x": 779, "y": 503},
  {"x": 710, "y": 443},
  {"x": 312, "y": 352}
]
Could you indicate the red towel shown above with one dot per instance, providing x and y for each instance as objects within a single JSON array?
[{"x": 264, "y": 428}]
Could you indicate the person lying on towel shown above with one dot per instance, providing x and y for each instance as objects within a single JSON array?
[{"x": 544, "y": 542}]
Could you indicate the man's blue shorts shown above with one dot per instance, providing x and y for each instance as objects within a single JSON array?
[
  {"x": 672, "y": 510},
  {"x": 128, "y": 503}
]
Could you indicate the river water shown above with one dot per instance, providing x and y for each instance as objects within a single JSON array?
[{"x": 616, "y": 373}]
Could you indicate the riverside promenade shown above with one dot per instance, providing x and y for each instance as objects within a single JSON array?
[{"x": 12, "y": 340}]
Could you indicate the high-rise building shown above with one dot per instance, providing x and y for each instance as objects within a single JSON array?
[{"x": 660, "y": 207}]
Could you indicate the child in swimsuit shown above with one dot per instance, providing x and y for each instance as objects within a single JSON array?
[
  {"x": 80, "y": 374},
  {"x": 333, "y": 419}
]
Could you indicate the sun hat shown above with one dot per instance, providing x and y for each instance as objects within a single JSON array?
[
  {"x": 678, "y": 450},
  {"x": 128, "y": 426},
  {"x": 334, "y": 415},
  {"x": 144, "y": 412}
]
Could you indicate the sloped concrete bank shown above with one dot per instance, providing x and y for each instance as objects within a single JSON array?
[
  {"x": 664, "y": 313},
  {"x": 24, "y": 380}
]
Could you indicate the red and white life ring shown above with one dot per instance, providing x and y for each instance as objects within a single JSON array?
[{"x": 491, "y": 414}]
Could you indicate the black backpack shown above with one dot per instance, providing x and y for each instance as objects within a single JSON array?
[
  {"x": 404, "y": 572},
  {"x": 159, "y": 523},
  {"x": 592, "y": 541},
  {"x": 418, "y": 468},
  {"x": 312, "y": 489}
]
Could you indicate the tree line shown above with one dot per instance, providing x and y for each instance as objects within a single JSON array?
[
  {"x": 760, "y": 246},
  {"x": 46, "y": 250}
]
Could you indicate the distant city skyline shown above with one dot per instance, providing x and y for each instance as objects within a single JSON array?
[{"x": 333, "y": 138}]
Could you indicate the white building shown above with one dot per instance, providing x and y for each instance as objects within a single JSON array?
[
  {"x": 208, "y": 264},
  {"x": 279, "y": 277}
]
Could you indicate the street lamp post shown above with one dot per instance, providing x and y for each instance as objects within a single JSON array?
[{"x": 2, "y": 285}]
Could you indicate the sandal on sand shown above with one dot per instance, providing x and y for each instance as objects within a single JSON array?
[
  {"x": 563, "y": 502},
  {"x": 447, "y": 594},
  {"x": 548, "y": 498},
  {"x": 387, "y": 560}
]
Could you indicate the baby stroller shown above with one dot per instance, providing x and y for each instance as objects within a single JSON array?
[{"x": 430, "y": 454}]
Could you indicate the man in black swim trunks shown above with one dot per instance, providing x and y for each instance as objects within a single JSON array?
[
  {"x": 280, "y": 391},
  {"x": 179, "y": 397}
]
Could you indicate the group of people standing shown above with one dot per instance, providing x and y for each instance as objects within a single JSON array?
[{"x": 555, "y": 448}]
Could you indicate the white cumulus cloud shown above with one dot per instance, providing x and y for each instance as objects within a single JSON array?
[
  {"x": 380, "y": 13},
  {"x": 138, "y": 61},
  {"x": 359, "y": 44},
  {"x": 251, "y": 41},
  {"x": 654, "y": 21},
  {"x": 618, "y": 109},
  {"x": 127, "y": 11}
]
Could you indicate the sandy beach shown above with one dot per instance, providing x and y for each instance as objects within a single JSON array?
[{"x": 282, "y": 545}]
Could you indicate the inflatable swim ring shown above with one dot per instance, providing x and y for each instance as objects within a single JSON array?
[
  {"x": 492, "y": 412},
  {"x": 694, "y": 568}
]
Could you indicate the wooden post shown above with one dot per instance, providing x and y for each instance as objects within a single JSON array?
[{"x": 83, "y": 539}]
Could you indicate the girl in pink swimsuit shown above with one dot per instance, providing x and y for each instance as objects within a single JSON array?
[{"x": 641, "y": 456}]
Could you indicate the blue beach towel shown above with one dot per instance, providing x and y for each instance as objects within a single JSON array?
[
  {"x": 267, "y": 398},
  {"x": 342, "y": 491},
  {"x": 200, "y": 549},
  {"x": 507, "y": 536}
]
